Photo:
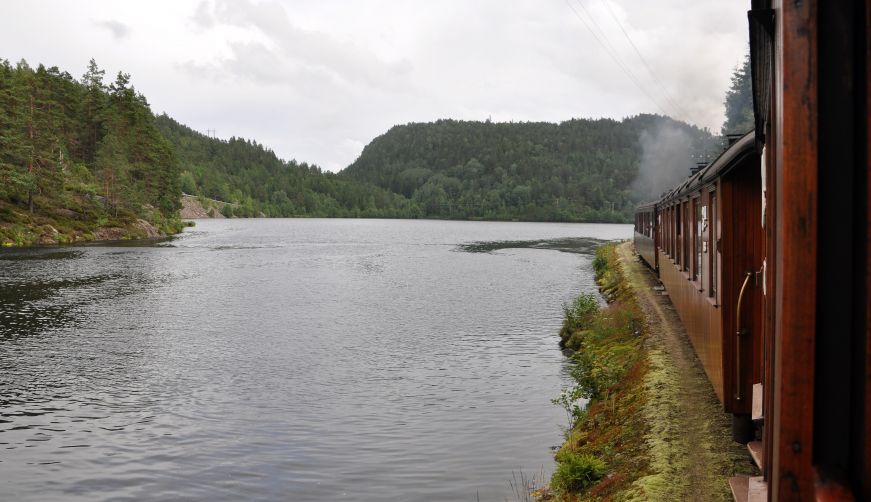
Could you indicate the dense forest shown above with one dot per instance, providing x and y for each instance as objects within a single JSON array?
[
  {"x": 257, "y": 183},
  {"x": 80, "y": 159},
  {"x": 579, "y": 170},
  {"x": 85, "y": 159}
]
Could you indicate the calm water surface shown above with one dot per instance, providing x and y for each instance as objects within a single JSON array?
[{"x": 288, "y": 360}]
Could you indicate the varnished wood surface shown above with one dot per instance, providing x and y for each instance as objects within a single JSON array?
[
  {"x": 742, "y": 242},
  {"x": 700, "y": 318},
  {"x": 644, "y": 246},
  {"x": 796, "y": 178}
]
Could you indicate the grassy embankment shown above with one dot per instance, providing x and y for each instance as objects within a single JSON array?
[
  {"x": 652, "y": 428},
  {"x": 605, "y": 450}
]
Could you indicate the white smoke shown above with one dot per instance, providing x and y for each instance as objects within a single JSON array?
[{"x": 665, "y": 160}]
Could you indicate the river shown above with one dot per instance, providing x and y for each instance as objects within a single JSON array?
[{"x": 297, "y": 359}]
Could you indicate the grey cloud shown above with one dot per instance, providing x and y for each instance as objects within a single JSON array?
[
  {"x": 118, "y": 29},
  {"x": 292, "y": 52},
  {"x": 203, "y": 17},
  {"x": 345, "y": 72}
]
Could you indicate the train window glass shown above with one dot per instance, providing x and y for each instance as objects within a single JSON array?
[
  {"x": 677, "y": 234},
  {"x": 712, "y": 245},
  {"x": 687, "y": 235},
  {"x": 698, "y": 215},
  {"x": 667, "y": 228}
]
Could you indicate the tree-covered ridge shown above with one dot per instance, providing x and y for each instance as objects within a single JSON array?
[
  {"x": 578, "y": 170},
  {"x": 258, "y": 183},
  {"x": 78, "y": 158}
]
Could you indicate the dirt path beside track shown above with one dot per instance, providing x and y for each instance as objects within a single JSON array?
[{"x": 691, "y": 449}]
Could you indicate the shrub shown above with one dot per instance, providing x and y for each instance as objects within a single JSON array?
[
  {"x": 579, "y": 314},
  {"x": 576, "y": 472},
  {"x": 600, "y": 262}
]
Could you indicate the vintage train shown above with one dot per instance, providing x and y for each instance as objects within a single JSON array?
[{"x": 764, "y": 253}]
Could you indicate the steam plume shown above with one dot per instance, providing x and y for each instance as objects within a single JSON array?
[{"x": 665, "y": 160}]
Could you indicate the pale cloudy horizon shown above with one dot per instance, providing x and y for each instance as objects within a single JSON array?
[{"x": 318, "y": 80}]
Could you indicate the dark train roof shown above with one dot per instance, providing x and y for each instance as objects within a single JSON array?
[
  {"x": 647, "y": 205},
  {"x": 727, "y": 160}
]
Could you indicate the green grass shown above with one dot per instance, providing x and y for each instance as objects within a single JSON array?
[{"x": 605, "y": 449}]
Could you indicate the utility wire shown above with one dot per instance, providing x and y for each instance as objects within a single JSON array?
[
  {"x": 665, "y": 92},
  {"x": 614, "y": 56}
]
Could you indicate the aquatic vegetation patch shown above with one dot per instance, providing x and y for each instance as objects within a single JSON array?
[{"x": 578, "y": 245}]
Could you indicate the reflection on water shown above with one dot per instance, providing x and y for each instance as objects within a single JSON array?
[{"x": 289, "y": 360}]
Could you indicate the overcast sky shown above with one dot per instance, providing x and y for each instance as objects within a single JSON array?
[{"x": 316, "y": 80}]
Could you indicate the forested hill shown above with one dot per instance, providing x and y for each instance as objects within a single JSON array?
[
  {"x": 80, "y": 160},
  {"x": 258, "y": 183},
  {"x": 579, "y": 170},
  {"x": 83, "y": 159}
]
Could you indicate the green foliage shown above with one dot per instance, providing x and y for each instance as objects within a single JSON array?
[
  {"x": 579, "y": 170},
  {"x": 576, "y": 472},
  {"x": 602, "y": 352},
  {"x": 571, "y": 400},
  {"x": 80, "y": 151},
  {"x": 600, "y": 263},
  {"x": 739, "y": 101},
  {"x": 579, "y": 314},
  {"x": 249, "y": 175}
]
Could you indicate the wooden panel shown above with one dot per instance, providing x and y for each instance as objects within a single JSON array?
[
  {"x": 700, "y": 318},
  {"x": 742, "y": 240},
  {"x": 796, "y": 138},
  {"x": 769, "y": 294},
  {"x": 645, "y": 248}
]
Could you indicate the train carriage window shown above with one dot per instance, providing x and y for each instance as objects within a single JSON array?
[
  {"x": 698, "y": 216},
  {"x": 687, "y": 235},
  {"x": 679, "y": 250},
  {"x": 712, "y": 245},
  {"x": 667, "y": 228}
]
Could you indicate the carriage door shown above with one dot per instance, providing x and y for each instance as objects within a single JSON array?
[{"x": 742, "y": 250}]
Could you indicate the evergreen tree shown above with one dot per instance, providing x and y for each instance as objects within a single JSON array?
[
  {"x": 80, "y": 149},
  {"x": 739, "y": 101}
]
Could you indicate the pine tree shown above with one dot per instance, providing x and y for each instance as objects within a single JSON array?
[{"x": 739, "y": 101}]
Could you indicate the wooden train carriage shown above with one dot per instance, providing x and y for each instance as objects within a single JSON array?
[
  {"x": 645, "y": 233},
  {"x": 717, "y": 213},
  {"x": 765, "y": 254},
  {"x": 811, "y": 90}
]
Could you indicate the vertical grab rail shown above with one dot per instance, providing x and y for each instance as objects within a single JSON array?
[{"x": 739, "y": 331}]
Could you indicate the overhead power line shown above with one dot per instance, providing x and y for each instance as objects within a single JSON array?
[
  {"x": 665, "y": 92},
  {"x": 612, "y": 53}
]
